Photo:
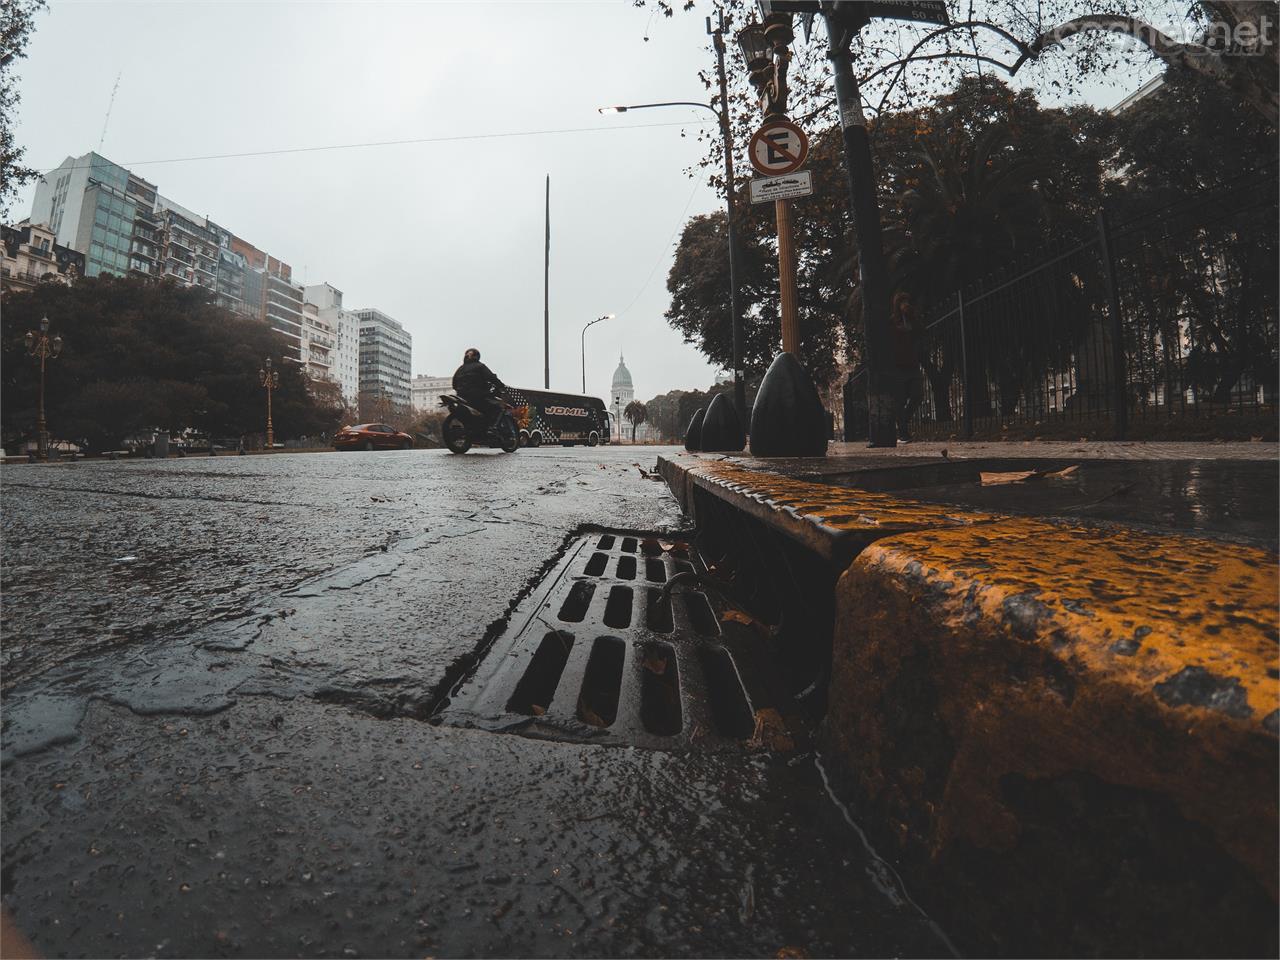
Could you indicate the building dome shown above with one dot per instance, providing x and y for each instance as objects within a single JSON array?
[{"x": 621, "y": 376}]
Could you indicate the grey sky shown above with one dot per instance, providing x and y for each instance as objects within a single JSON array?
[{"x": 445, "y": 237}]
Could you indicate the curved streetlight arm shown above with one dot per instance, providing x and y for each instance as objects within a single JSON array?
[
  {"x": 649, "y": 106},
  {"x": 607, "y": 316}
]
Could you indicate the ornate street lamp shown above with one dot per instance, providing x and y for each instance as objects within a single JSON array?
[
  {"x": 766, "y": 49},
  {"x": 607, "y": 316},
  {"x": 271, "y": 380},
  {"x": 40, "y": 346}
]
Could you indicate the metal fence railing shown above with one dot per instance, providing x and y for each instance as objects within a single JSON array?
[{"x": 1165, "y": 312}]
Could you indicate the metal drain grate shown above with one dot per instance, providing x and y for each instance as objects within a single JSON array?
[{"x": 599, "y": 653}]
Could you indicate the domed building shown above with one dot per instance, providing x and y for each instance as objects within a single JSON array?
[{"x": 621, "y": 394}]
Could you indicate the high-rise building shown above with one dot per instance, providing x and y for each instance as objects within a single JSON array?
[
  {"x": 344, "y": 356},
  {"x": 122, "y": 224},
  {"x": 386, "y": 352}
]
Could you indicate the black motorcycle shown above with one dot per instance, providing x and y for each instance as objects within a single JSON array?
[{"x": 466, "y": 425}]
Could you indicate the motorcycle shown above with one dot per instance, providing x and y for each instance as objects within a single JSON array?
[{"x": 466, "y": 425}]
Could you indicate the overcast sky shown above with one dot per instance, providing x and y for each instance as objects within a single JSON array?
[{"x": 445, "y": 237}]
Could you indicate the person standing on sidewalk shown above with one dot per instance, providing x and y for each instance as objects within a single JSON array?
[{"x": 906, "y": 361}]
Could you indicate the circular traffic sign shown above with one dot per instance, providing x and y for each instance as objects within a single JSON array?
[{"x": 778, "y": 147}]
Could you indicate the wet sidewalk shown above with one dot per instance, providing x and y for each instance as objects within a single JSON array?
[{"x": 1037, "y": 650}]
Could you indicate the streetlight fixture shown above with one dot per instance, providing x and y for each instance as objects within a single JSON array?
[
  {"x": 726, "y": 134},
  {"x": 271, "y": 380},
  {"x": 607, "y": 316},
  {"x": 40, "y": 346}
]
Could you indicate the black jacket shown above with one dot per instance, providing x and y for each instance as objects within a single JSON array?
[{"x": 473, "y": 381}]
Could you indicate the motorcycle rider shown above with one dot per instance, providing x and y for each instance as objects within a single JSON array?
[{"x": 476, "y": 384}]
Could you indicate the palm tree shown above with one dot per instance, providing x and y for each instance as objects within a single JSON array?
[{"x": 637, "y": 413}]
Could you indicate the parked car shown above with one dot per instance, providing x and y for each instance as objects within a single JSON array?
[{"x": 371, "y": 436}]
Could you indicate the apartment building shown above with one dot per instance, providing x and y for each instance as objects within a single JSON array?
[
  {"x": 426, "y": 391},
  {"x": 123, "y": 224},
  {"x": 344, "y": 356},
  {"x": 32, "y": 254},
  {"x": 386, "y": 353}
]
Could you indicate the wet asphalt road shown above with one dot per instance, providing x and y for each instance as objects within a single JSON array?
[{"x": 216, "y": 679}]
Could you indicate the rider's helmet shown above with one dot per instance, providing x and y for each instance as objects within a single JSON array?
[{"x": 471, "y": 356}]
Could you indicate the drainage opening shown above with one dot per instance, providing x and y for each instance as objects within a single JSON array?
[
  {"x": 602, "y": 683},
  {"x": 575, "y": 605},
  {"x": 617, "y": 612},
  {"x": 537, "y": 688},
  {"x": 659, "y": 689},
  {"x": 701, "y": 616},
  {"x": 625, "y": 664},
  {"x": 657, "y": 610},
  {"x": 729, "y": 708}
]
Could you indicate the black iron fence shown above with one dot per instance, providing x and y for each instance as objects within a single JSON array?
[{"x": 1165, "y": 312}]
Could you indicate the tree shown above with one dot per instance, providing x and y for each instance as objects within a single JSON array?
[
  {"x": 636, "y": 414},
  {"x": 17, "y": 19},
  {"x": 144, "y": 354},
  {"x": 982, "y": 175}
]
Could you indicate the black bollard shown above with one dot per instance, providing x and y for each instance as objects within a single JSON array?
[
  {"x": 693, "y": 435},
  {"x": 721, "y": 428},
  {"x": 788, "y": 419}
]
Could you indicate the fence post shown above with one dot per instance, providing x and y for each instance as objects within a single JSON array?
[
  {"x": 1120, "y": 369},
  {"x": 966, "y": 393}
]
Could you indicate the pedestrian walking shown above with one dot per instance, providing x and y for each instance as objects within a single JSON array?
[{"x": 906, "y": 361}]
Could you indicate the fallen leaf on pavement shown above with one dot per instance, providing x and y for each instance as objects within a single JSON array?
[
  {"x": 590, "y": 716},
  {"x": 1064, "y": 472},
  {"x": 656, "y": 665},
  {"x": 1017, "y": 476},
  {"x": 737, "y": 616},
  {"x": 536, "y": 710},
  {"x": 771, "y": 732}
]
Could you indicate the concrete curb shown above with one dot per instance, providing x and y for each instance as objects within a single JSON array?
[{"x": 1018, "y": 705}]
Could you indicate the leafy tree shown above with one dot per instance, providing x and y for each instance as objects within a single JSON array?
[
  {"x": 636, "y": 414},
  {"x": 981, "y": 176},
  {"x": 143, "y": 354},
  {"x": 17, "y": 18},
  {"x": 1208, "y": 278}
]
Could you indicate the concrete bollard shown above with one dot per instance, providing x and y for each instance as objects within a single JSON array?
[
  {"x": 721, "y": 428},
  {"x": 788, "y": 419},
  {"x": 693, "y": 435}
]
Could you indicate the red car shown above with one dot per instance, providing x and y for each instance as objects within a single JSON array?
[{"x": 371, "y": 436}]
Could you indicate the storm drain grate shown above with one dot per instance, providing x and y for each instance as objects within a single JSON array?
[{"x": 601, "y": 652}]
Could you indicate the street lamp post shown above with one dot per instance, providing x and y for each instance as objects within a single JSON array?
[
  {"x": 40, "y": 346},
  {"x": 607, "y": 316},
  {"x": 271, "y": 380},
  {"x": 726, "y": 135}
]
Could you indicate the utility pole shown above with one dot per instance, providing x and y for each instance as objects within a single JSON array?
[
  {"x": 844, "y": 21},
  {"x": 735, "y": 315},
  {"x": 546, "y": 295}
]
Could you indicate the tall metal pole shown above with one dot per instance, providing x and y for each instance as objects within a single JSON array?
[
  {"x": 739, "y": 388},
  {"x": 873, "y": 275},
  {"x": 546, "y": 295},
  {"x": 42, "y": 429}
]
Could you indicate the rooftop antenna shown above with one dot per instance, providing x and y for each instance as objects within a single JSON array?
[{"x": 111, "y": 103}]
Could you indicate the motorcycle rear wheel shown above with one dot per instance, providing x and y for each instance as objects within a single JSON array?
[
  {"x": 508, "y": 437},
  {"x": 455, "y": 435}
]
